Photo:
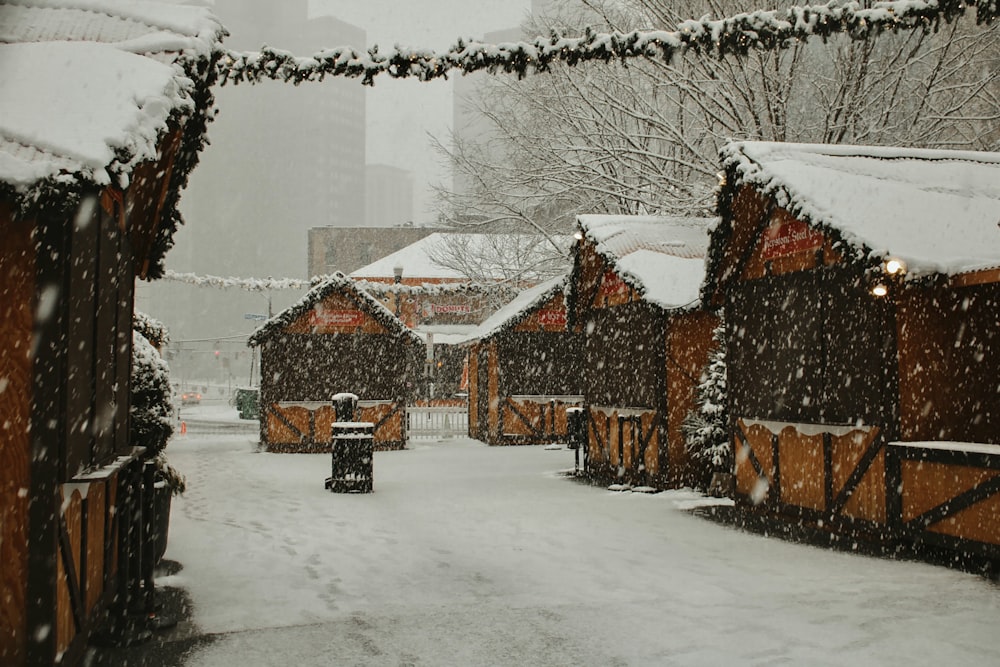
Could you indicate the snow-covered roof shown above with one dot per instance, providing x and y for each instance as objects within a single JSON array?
[
  {"x": 155, "y": 29},
  {"x": 517, "y": 309},
  {"x": 82, "y": 98},
  {"x": 937, "y": 210},
  {"x": 328, "y": 286},
  {"x": 418, "y": 259},
  {"x": 88, "y": 89},
  {"x": 81, "y": 110},
  {"x": 662, "y": 257}
]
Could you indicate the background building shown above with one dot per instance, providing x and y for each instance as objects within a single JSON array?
[
  {"x": 388, "y": 196},
  {"x": 468, "y": 124},
  {"x": 283, "y": 158}
]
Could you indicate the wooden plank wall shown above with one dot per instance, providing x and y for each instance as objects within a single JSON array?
[
  {"x": 17, "y": 286},
  {"x": 949, "y": 362},
  {"x": 948, "y": 495},
  {"x": 838, "y": 475},
  {"x": 304, "y": 429},
  {"x": 615, "y": 446},
  {"x": 688, "y": 343},
  {"x": 852, "y": 483},
  {"x": 473, "y": 356},
  {"x": 85, "y": 581},
  {"x": 493, "y": 392},
  {"x": 533, "y": 420}
]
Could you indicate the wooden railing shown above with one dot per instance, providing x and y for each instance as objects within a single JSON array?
[{"x": 437, "y": 422}]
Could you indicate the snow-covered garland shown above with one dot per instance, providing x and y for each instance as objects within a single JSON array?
[
  {"x": 436, "y": 289},
  {"x": 248, "y": 284},
  {"x": 371, "y": 287},
  {"x": 737, "y": 34}
]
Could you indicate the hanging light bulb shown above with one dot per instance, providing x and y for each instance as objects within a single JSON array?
[
  {"x": 894, "y": 266},
  {"x": 880, "y": 290}
]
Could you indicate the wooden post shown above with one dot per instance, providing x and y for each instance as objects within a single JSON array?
[{"x": 47, "y": 419}]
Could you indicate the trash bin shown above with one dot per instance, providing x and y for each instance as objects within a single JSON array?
[
  {"x": 351, "y": 454},
  {"x": 346, "y": 406},
  {"x": 576, "y": 433}
]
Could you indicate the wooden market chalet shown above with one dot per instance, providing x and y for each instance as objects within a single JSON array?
[
  {"x": 861, "y": 292},
  {"x": 634, "y": 299},
  {"x": 336, "y": 339},
  {"x": 524, "y": 370},
  {"x": 83, "y": 213},
  {"x": 422, "y": 285}
]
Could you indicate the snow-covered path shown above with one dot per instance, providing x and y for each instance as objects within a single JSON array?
[{"x": 469, "y": 555}]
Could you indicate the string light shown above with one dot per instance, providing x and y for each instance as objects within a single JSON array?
[{"x": 894, "y": 266}]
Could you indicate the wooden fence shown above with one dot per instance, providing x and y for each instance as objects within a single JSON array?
[
  {"x": 851, "y": 482},
  {"x": 534, "y": 419}
]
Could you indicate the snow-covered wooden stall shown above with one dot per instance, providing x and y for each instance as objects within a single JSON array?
[
  {"x": 862, "y": 302},
  {"x": 336, "y": 339},
  {"x": 634, "y": 297},
  {"x": 96, "y": 142},
  {"x": 443, "y": 286},
  {"x": 525, "y": 370}
]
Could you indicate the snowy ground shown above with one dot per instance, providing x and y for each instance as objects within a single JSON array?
[{"x": 470, "y": 555}]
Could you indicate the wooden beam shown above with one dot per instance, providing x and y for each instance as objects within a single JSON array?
[
  {"x": 47, "y": 429},
  {"x": 509, "y": 404},
  {"x": 827, "y": 471},
  {"x": 69, "y": 568},
  {"x": 750, "y": 453},
  {"x": 776, "y": 466},
  {"x": 960, "y": 502},
  {"x": 857, "y": 474}
]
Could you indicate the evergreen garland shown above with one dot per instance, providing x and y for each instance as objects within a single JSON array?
[
  {"x": 738, "y": 34},
  {"x": 706, "y": 429}
]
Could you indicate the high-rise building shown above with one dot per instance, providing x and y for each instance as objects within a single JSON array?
[
  {"x": 468, "y": 124},
  {"x": 282, "y": 159},
  {"x": 388, "y": 196}
]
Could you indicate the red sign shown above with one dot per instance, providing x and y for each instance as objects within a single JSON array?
[
  {"x": 552, "y": 318},
  {"x": 788, "y": 238},
  {"x": 336, "y": 318},
  {"x": 612, "y": 283}
]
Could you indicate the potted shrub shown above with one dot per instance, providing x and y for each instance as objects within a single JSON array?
[{"x": 151, "y": 425}]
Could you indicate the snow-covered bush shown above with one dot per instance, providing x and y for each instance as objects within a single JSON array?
[
  {"x": 705, "y": 427},
  {"x": 152, "y": 407},
  {"x": 152, "y": 329}
]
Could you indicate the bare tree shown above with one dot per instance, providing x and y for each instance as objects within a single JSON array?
[
  {"x": 503, "y": 264},
  {"x": 644, "y": 137}
]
